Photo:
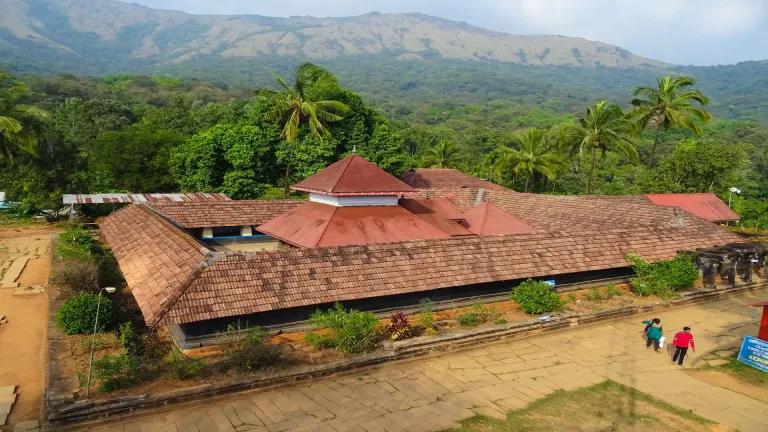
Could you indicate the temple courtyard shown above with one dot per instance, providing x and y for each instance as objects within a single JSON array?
[{"x": 436, "y": 393}]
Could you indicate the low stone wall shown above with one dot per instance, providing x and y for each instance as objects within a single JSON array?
[{"x": 65, "y": 411}]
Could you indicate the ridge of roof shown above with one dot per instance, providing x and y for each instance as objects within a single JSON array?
[
  {"x": 353, "y": 176},
  {"x": 176, "y": 258}
]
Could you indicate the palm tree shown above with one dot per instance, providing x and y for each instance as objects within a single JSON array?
[
  {"x": 604, "y": 128},
  {"x": 15, "y": 119},
  {"x": 444, "y": 154},
  {"x": 670, "y": 105},
  {"x": 534, "y": 154},
  {"x": 311, "y": 101}
]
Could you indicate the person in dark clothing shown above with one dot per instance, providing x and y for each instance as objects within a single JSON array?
[
  {"x": 653, "y": 332},
  {"x": 681, "y": 342}
]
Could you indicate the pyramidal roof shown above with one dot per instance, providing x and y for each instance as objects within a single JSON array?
[
  {"x": 487, "y": 219},
  {"x": 353, "y": 176}
]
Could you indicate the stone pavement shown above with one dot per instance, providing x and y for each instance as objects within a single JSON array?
[{"x": 431, "y": 394}]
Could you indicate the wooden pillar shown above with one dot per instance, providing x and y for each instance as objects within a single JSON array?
[{"x": 730, "y": 273}]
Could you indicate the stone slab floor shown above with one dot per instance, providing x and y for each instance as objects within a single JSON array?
[{"x": 431, "y": 394}]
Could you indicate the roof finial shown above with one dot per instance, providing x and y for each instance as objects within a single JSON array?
[{"x": 354, "y": 148}]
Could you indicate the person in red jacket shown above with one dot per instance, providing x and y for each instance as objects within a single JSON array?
[{"x": 682, "y": 341}]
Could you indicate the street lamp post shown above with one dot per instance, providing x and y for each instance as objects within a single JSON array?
[
  {"x": 731, "y": 191},
  {"x": 109, "y": 290}
]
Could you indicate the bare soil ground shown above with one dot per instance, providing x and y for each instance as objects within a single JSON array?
[{"x": 23, "y": 338}]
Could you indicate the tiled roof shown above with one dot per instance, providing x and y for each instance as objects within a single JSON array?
[
  {"x": 353, "y": 176},
  {"x": 157, "y": 259},
  {"x": 125, "y": 198},
  {"x": 315, "y": 225},
  {"x": 704, "y": 205},
  {"x": 573, "y": 234},
  {"x": 224, "y": 213},
  {"x": 487, "y": 219},
  {"x": 444, "y": 178},
  {"x": 249, "y": 283}
]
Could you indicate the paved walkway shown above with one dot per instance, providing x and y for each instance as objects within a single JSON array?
[{"x": 431, "y": 394}]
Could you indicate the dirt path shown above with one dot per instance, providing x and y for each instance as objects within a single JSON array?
[
  {"x": 22, "y": 339},
  {"x": 432, "y": 394}
]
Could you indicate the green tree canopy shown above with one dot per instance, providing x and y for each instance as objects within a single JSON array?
[
  {"x": 604, "y": 128},
  {"x": 533, "y": 152},
  {"x": 444, "y": 154},
  {"x": 671, "y": 104},
  {"x": 235, "y": 159},
  {"x": 16, "y": 119}
]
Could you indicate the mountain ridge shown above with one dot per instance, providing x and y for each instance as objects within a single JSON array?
[{"x": 107, "y": 36}]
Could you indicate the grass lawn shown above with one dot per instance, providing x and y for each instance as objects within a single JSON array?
[
  {"x": 744, "y": 372},
  {"x": 607, "y": 406}
]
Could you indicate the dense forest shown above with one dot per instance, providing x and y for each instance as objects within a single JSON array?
[{"x": 68, "y": 133}]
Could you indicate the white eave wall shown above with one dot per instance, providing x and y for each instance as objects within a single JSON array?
[{"x": 355, "y": 201}]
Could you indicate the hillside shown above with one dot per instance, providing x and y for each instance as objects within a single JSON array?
[
  {"x": 397, "y": 60},
  {"x": 105, "y": 36}
]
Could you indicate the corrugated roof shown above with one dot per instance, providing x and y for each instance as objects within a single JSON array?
[
  {"x": 353, "y": 176},
  {"x": 313, "y": 224},
  {"x": 443, "y": 178},
  {"x": 138, "y": 198},
  {"x": 704, "y": 205},
  {"x": 440, "y": 212}
]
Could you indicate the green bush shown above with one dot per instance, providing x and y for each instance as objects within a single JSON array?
[
  {"x": 468, "y": 319},
  {"x": 663, "y": 278},
  {"x": 253, "y": 352},
  {"x": 127, "y": 338},
  {"x": 180, "y": 366},
  {"x": 77, "y": 275},
  {"x": 426, "y": 313},
  {"x": 479, "y": 315},
  {"x": 115, "y": 372},
  {"x": 348, "y": 331},
  {"x": 75, "y": 243},
  {"x": 611, "y": 291},
  {"x": 78, "y": 313},
  {"x": 536, "y": 297}
]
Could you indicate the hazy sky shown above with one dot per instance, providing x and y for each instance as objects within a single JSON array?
[{"x": 702, "y": 32}]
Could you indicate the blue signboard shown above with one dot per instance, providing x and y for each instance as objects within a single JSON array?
[{"x": 754, "y": 352}]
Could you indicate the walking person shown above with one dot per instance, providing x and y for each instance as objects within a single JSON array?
[
  {"x": 682, "y": 341},
  {"x": 653, "y": 333}
]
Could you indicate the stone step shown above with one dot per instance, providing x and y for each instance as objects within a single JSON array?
[{"x": 14, "y": 271}]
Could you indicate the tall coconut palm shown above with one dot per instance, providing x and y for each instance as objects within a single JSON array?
[
  {"x": 444, "y": 154},
  {"x": 672, "y": 104},
  {"x": 311, "y": 101},
  {"x": 604, "y": 128},
  {"x": 533, "y": 153},
  {"x": 15, "y": 118}
]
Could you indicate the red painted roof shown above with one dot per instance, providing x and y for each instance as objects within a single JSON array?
[
  {"x": 314, "y": 224},
  {"x": 442, "y": 206},
  {"x": 440, "y": 212},
  {"x": 704, "y": 205},
  {"x": 487, "y": 219},
  {"x": 353, "y": 176}
]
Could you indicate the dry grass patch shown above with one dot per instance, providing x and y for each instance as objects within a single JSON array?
[{"x": 607, "y": 406}]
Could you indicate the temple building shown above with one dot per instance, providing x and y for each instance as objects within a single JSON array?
[{"x": 374, "y": 242}]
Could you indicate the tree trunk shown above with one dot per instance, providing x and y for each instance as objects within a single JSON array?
[
  {"x": 656, "y": 139},
  {"x": 527, "y": 178},
  {"x": 591, "y": 183},
  {"x": 287, "y": 188}
]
